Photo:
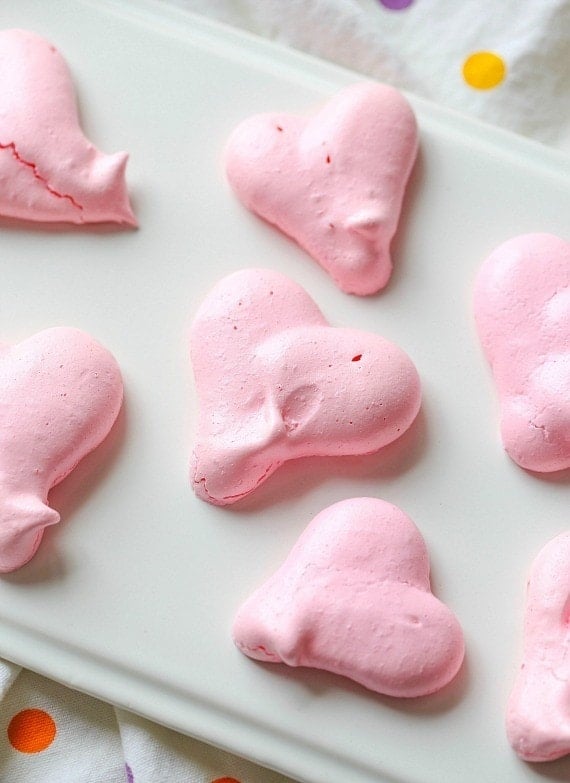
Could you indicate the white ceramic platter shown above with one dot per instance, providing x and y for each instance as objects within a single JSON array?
[{"x": 132, "y": 596}]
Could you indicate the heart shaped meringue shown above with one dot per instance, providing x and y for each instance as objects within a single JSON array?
[
  {"x": 334, "y": 182},
  {"x": 49, "y": 170},
  {"x": 275, "y": 382},
  {"x": 522, "y": 311},
  {"x": 353, "y": 597},
  {"x": 538, "y": 712},
  {"x": 60, "y": 393}
]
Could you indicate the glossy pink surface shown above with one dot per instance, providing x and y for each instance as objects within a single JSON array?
[
  {"x": 354, "y": 598},
  {"x": 49, "y": 170},
  {"x": 275, "y": 382},
  {"x": 60, "y": 393},
  {"x": 522, "y": 311},
  {"x": 333, "y": 182},
  {"x": 538, "y": 712}
]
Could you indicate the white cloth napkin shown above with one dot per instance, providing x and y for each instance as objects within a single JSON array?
[
  {"x": 422, "y": 48},
  {"x": 51, "y": 734}
]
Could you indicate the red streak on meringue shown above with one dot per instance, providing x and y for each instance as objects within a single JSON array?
[
  {"x": 16, "y": 155},
  {"x": 275, "y": 382},
  {"x": 334, "y": 182},
  {"x": 49, "y": 171}
]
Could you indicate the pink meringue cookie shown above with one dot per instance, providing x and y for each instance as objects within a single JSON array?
[
  {"x": 49, "y": 170},
  {"x": 334, "y": 182},
  {"x": 522, "y": 311},
  {"x": 538, "y": 712},
  {"x": 275, "y": 382},
  {"x": 353, "y": 597},
  {"x": 60, "y": 393}
]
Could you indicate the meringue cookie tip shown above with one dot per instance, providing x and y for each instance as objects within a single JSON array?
[{"x": 62, "y": 392}]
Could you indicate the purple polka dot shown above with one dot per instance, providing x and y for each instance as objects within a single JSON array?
[
  {"x": 396, "y": 5},
  {"x": 130, "y": 776}
]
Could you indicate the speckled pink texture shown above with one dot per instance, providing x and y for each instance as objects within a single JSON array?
[
  {"x": 333, "y": 182},
  {"x": 60, "y": 393},
  {"x": 522, "y": 311},
  {"x": 353, "y": 597},
  {"x": 49, "y": 171},
  {"x": 538, "y": 712},
  {"x": 275, "y": 382}
]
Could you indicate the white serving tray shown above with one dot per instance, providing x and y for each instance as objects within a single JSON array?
[{"x": 131, "y": 598}]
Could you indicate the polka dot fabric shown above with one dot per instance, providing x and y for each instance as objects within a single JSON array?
[
  {"x": 153, "y": 754},
  {"x": 50, "y": 734},
  {"x": 505, "y": 62},
  {"x": 31, "y": 731},
  {"x": 484, "y": 70},
  {"x": 396, "y": 5},
  {"x": 481, "y": 70}
]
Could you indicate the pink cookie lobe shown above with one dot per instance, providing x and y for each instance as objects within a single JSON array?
[
  {"x": 353, "y": 597},
  {"x": 522, "y": 312},
  {"x": 538, "y": 711},
  {"x": 60, "y": 394},
  {"x": 50, "y": 172},
  {"x": 334, "y": 182},
  {"x": 275, "y": 382}
]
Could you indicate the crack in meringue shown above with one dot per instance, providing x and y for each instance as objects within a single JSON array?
[{"x": 11, "y": 146}]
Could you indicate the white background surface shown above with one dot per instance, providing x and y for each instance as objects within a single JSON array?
[{"x": 132, "y": 596}]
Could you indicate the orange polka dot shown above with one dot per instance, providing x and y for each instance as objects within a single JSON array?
[
  {"x": 484, "y": 70},
  {"x": 225, "y": 780},
  {"x": 31, "y": 731}
]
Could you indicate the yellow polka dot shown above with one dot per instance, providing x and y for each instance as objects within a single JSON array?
[
  {"x": 31, "y": 731},
  {"x": 484, "y": 70}
]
